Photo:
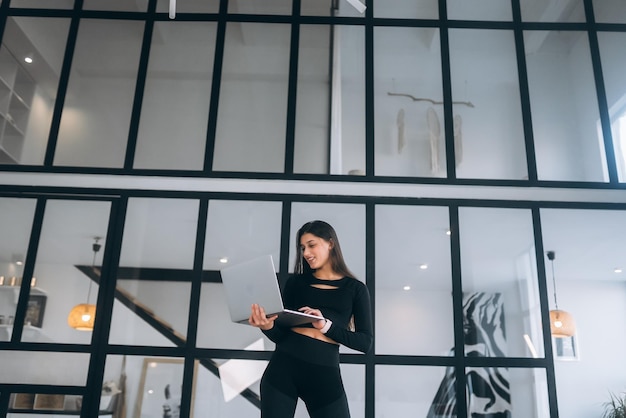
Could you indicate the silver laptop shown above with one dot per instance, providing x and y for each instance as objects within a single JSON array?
[{"x": 255, "y": 281}]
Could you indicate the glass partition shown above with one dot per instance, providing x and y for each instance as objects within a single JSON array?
[
  {"x": 486, "y": 105},
  {"x": 410, "y": 136},
  {"x": 278, "y": 7},
  {"x": 407, "y": 9},
  {"x": 190, "y": 6},
  {"x": 479, "y": 10},
  {"x": 588, "y": 271},
  {"x": 564, "y": 105},
  {"x": 251, "y": 120},
  {"x": 43, "y": 368},
  {"x": 413, "y": 280},
  {"x": 501, "y": 310},
  {"x": 559, "y": 11},
  {"x": 127, "y": 6},
  {"x": 237, "y": 231},
  {"x": 612, "y": 52},
  {"x": 96, "y": 115},
  {"x": 66, "y": 272},
  {"x": 178, "y": 84},
  {"x": 15, "y": 222},
  {"x": 30, "y": 64},
  {"x": 609, "y": 11},
  {"x": 154, "y": 275},
  {"x": 36, "y": 4}
]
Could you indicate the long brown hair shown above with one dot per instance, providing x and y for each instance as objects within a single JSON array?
[{"x": 326, "y": 232}]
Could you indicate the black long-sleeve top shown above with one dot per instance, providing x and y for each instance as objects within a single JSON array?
[{"x": 348, "y": 297}]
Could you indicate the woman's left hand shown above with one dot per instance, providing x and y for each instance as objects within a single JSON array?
[{"x": 310, "y": 311}]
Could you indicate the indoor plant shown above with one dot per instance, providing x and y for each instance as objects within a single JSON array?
[{"x": 615, "y": 407}]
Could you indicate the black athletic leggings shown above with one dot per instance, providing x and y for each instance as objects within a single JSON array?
[{"x": 312, "y": 375}]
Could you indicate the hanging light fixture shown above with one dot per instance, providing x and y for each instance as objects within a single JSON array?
[
  {"x": 83, "y": 315},
  {"x": 561, "y": 322}
]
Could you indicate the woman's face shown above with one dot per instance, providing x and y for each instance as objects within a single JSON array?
[{"x": 315, "y": 250}]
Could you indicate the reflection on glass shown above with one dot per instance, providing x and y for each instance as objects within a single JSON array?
[
  {"x": 479, "y": 10},
  {"x": 407, "y": 9},
  {"x": 553, "y": 11},
  {"x": 15, "y": 222},
  {"x": 63, "y": 268},
  {"x": 96, "y": 115},
  {"x": 590, "y": 277},
  {"x": 407, "y": 391},
  {"x": 154, "y": 276},
  {"x": 127, "y": 6},
  {"x": 172, "y": 130},
  {"x": 612, "y": 53},
  {"x": 413, "y": 280},
  {"x": 609, "y": 11},
  {"x": 253, "y": 98},
  {"x": 330, "y": 123},
  {"x": 489, "y": 136},
  {"x": 237, "y": 231},
  {"x": 43, "y": 368},
  {"x": 409, "y": 115},
  {"x": 502, "y": 317},
  {"x": 190, "y": 6},
  {"x": 564, "y": 106},
  {"x": 316, "y": 7},
  {"x": 30, "y": 63}
]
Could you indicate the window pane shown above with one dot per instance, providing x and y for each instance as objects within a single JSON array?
[
  {"x": 96, "y": 115},
  {"x": 173, "y": 126},
  {"x": 124, "y": 5},
  {"x": 28, "y": 90},
  {"x": 253, "y": 7},
  {"x": 407, "y": 9},
  {"x": 253, "y": 98},
  {"x": 330, "y": 118},
  {"x": 15, "y": 222},
  {"x": 154, "y": 277},
  {"x": 611, "y": 11},
  {"x": 50, "y": 4},
  {"x": 412, "y": 391},
  {"x": 316, "y": 7},
  {"x": 409, "y": 126},
  {"x": 561, "y": 11},
  {"x": 564, "y": 107},
  {"x": 43, "y": 368},
  {"x": 612, "y": 52},
  {"x": 190, "y": 6},
  {"x": 479, "y": 10},
  {"x": 64, "y": 258},
  {"x": 590, "y": 281},
  {"x": 501, "y": 309},
  {"x": 237, "y": 231},
  {"x": 487, "y": 107},
  {"x": 413, "y": 280}
]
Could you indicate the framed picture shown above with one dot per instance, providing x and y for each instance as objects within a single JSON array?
[
  {"x": 23, "y": 401},
  {"x": 35, "y": 310},
  {"x": 160, "y": 388},
  {"x": 49, "y": 402},
  {"x": 566, "y": 348}
]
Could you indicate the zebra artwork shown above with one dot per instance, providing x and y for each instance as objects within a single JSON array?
[{"x": 488, "y": 392}]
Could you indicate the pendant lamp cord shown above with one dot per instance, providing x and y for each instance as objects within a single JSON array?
[
  {"x": 551, "y": 256},
  {"x": 96, "y": 247}
]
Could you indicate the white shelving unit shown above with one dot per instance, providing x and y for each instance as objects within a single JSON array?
[{"x": 17, "y": 89}]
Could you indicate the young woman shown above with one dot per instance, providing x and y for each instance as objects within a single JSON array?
[{"x": 305, "y": 363}]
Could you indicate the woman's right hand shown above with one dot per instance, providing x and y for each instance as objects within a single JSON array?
[{"x": 259, "y": 320}]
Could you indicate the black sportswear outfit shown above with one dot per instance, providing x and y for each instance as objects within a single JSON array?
[{"x": 307, "y": 368}]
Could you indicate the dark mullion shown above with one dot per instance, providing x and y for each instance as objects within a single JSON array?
[
  {"x": 370, "y": 280},
  {"x": 285, "y": 242},
  {"x": 605, "y": 119},
  {"x": 194, "y": 309},
  {"x": 457, "y": 303},
  {"x": 218, "y": 61},
  {"x": 545, "y": 312},
  {"x": 131, "y": 146},
  {"x": 292, "y": 90},
  {"x": 370, "y": 146},
  {"x": 331, "y": 90},
  {"x": 522, "y": 74},
  {"x": 446, "y": 80},
  {"x": 29, "y": 268},
  {"x": 63, "y": 84},
  {"x": 104, "y": 308},
  {"x": 4, "y": 8}
]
